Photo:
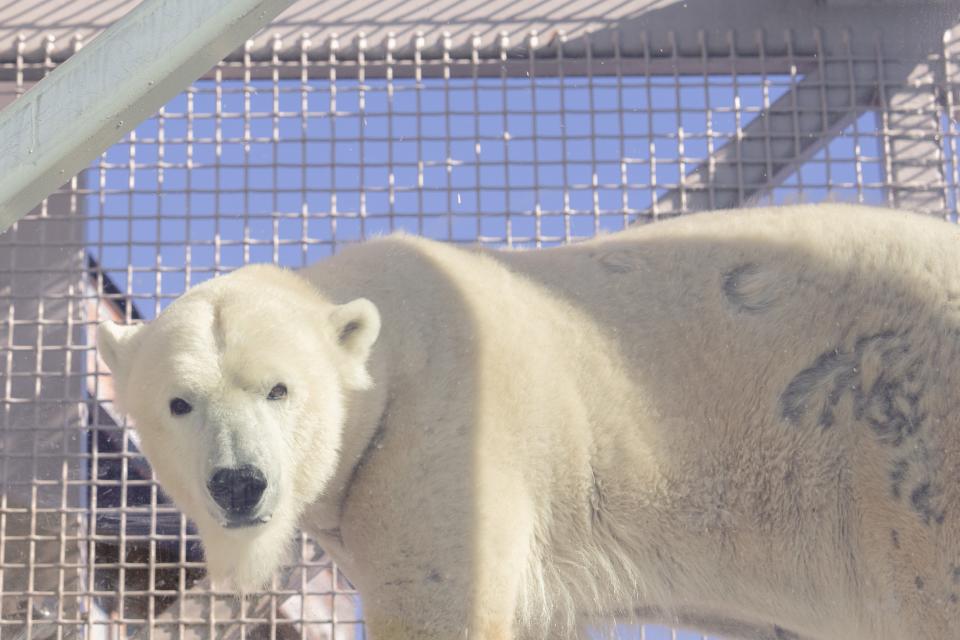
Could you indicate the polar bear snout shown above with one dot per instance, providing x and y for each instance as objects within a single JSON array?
[{"x": 238, "y": 491}]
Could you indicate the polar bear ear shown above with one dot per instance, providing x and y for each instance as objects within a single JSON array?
[
  {"x": 356, "y": 326},
  {"x": 115, "y": 342}
]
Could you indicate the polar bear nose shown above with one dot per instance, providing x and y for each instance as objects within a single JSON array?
[{"x": 237, "y": 491}]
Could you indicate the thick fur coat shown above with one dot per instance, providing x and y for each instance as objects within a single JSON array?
[{"x": 741, "y": 422}]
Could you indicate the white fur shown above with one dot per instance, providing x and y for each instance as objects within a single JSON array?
[{"x": 740, "y": 421}]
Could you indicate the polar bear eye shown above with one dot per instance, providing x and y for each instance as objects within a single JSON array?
[
  {"x": 180, "y": 407},
  {"x": 279, "y": 391}
]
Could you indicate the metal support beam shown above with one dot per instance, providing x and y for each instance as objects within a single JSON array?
[
  {"x": 913, "y": 146},
  {"x": 95, "y": 98},
  {"x": 776, "y": 143}
]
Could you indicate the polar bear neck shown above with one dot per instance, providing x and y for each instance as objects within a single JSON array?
[
  {"x": 407, "y": 346},
  {"x": 365, "y": 412}
]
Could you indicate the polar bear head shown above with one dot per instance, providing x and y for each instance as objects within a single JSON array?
[{"x": 237, "y": 391}]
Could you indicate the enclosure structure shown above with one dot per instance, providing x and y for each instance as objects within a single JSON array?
[{"x": 509, "y": 124}]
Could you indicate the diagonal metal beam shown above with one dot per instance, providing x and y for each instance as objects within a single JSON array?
[
  {"x": 121, "y": 78},
  {"x": 776, "y": 143}
]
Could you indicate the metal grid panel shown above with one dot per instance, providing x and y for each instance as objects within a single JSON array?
[{"x": 286, "y": 161}]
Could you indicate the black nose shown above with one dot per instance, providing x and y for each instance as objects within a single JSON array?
[{"x": 237, "y": 491}]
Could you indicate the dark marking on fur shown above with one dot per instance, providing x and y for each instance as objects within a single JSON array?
[
  {"x": 615, "y": 264},
  {"x": 883, "y": 380},
  {"x": 921, "y": 498},
  {"x": 895, "y": 538},
  {"x": 828, "y": 372},
  {"x": 749, "y": 289},
  {"x": 919, "y": 582},
  {"x": 955, "y": 574},
  {"x": 620, "y": 260},
  {"x": 434, "y": 576},
  {"x": 891, "y": 408},
  {"x": 782, "y": 634},
  {"x": 398, "y": 583},
  {"x": 789, "y": 477},
  {"x": 897, "y": 475},
  {"x": 891, "y": 403},
  {"x": 954, "y": 599}
]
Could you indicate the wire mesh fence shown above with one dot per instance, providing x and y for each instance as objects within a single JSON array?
[{"x": 285, "y": 159}]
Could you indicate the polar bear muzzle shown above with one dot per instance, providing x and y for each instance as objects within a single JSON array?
[{"x": 238, "y": 492}]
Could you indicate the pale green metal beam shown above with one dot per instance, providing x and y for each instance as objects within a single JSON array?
[{"x": 118, "y": 80}]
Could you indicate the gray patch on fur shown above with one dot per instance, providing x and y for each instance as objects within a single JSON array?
[
  {"x": 922, "y": 500},
  {"x": 830, "y": 372},
  {"x": 620, "y": 260},
  {"x": 897, "y": 475},
  {"x": 749, "y": 289},
  {"x": 400, "y": 582},
  {"x": 891, "y": 405},
  {"x": 782, "y": 634},
  {"x": 895, "y": 538}
]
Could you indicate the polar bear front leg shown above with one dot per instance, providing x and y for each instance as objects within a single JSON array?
[
  {"x": 476, "y": 602},
  {"x": 438, "y": 555},
  {"x": 446, "y": 588}
]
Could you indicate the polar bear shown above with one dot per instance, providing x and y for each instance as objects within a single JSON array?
[{"x": 743, "y": 422}]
